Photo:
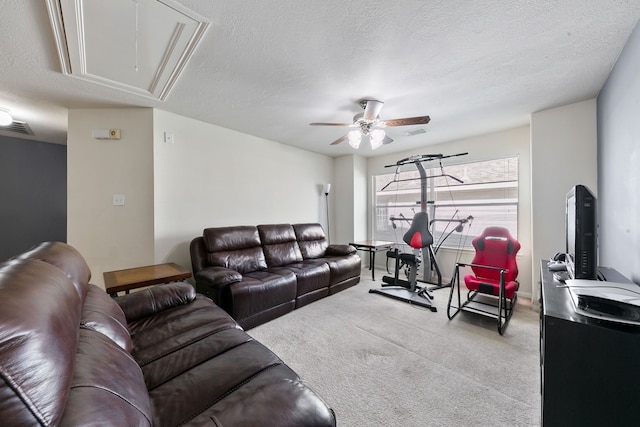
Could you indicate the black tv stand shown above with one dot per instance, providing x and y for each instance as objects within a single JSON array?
[{"x": 589, "y": 368}]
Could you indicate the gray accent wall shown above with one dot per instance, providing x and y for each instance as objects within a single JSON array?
[
  {"x": 33, "y": 190},
  {"x": 619, "y": 163}
]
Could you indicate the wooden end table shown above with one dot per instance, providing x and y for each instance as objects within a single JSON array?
[
  {"x": 131, "y": 278},
  {"x": 372, "y": 246}
]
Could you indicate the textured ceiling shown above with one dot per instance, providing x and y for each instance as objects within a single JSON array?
[{"x": 269, "y": 68}]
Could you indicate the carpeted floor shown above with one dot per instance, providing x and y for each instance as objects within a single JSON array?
[{"x": 381, "y": 362}]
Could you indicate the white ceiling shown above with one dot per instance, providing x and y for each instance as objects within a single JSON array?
[{"x": 269, "y": 68}]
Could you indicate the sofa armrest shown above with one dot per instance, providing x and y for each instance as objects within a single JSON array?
[
  {"x": 155, "y": 299},
  {"x": 217, "y": 276},
  {"x": 340, "y": 250}
]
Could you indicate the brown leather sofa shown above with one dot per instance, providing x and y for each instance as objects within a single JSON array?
[
  {"x": 71, "y": 355},
  {"x": 258, "y": 273}
]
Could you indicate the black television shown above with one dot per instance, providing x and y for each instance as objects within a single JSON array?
[{"x": 581, "y": 232}]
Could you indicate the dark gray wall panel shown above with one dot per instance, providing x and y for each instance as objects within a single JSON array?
[
  {"x": 33, "y": 190},
  {"x": 619, "y": 163}
]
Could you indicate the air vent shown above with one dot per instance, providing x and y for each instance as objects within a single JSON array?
[
  {"x": 414, "y": 132},
  {"x": 17, "y": 127}
]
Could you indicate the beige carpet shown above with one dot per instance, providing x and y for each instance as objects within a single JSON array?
[{"x": 381, "y": 362}]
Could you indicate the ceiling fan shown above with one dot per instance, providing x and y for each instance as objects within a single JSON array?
[{"x": 369, "y": 124}]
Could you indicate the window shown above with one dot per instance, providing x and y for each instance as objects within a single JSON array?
[{"x": 488, "y": 194}]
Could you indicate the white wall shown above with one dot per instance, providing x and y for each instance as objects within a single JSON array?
[
  {"x": 513, "y": 142},
  {"x": 209, "y": 177},
  {"x": 212, "y": 176},
  {"x": 342, "y": 199},
  {"x": 350, "y": 199},
  {"x": 360, "y": 198},
  {"x": 563, "y": 154},
  {"x": 110, "y": 237}
]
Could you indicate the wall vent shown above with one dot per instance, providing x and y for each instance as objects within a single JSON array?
[
  {"x": 414, "y": 132},
  {"x": 18, "y": 127}
]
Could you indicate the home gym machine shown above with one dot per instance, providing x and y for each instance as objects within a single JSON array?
[{"x": 419, "y": 238}]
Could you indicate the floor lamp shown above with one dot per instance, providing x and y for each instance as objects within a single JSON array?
[{"x": 326, "y": 189}]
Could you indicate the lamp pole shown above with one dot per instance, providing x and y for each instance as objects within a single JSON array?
[{"x": 327, "y": 189}]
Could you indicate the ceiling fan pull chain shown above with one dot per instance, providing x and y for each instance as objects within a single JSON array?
[{"x": 136, "y": 36}]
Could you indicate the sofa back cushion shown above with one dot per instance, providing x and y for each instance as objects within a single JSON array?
[
  {"x": 66, "y": 258},
  {"x": 107, "y": 387},
  {"x": 311, "y": 240},
  {"x": 237, "y": 248},
  {"x": 39, "y": 317},
  {"x": 279, "y": 244},
  {"x": 102, "y": 314}
]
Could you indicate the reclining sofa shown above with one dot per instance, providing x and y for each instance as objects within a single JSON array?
[
  {"x": 71, "y": 355},
  {"x": 258, "y": 273}
]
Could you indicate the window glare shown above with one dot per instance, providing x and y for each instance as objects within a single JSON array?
[{"x": 489, "y": 193}]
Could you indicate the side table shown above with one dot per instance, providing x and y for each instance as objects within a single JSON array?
[
  {"x": 372, "y": 246},
  {"x": 131, "y": 278}
]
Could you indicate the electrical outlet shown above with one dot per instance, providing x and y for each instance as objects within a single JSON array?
[
  {"x": 118, "y": 200},
  {"x": 168, "y": 138}
]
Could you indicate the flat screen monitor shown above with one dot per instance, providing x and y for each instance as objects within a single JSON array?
[{"x": 581, "y": 234}]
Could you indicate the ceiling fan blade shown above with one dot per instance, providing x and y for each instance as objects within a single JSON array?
[
  {"x": 331, "y": 124},
  {"x": 339, "y": 140},
  {"x": 372, "y": 109},
  {"x": 422, "y": 120},
  {"x": 387, "y": 140}
]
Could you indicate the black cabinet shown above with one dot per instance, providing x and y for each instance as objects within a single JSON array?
[{"x": 590, "y": 369}]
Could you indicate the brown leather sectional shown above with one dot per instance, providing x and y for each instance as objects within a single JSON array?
[
  {"x": 71, "y": 355},
  {"x": 258, "y": 273}
]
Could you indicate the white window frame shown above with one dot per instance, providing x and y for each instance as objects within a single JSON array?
[{"x": 499, "y": 210}]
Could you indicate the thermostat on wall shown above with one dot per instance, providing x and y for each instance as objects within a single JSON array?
[{"x": 106, "y": 133}]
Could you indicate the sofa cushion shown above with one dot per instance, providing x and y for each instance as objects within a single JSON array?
[
  {"x": 279, "y": 244},
  {"x": 343, "y": 268},
  {"x": 164, "y": 343},
  {"x": 237, "y": 248},
  {"x": 260, "y": 292},
  {"x": 206, "y": 343},
  {"x": 66, "y": 258},
  {"x": 280, "y": 402},
  {"x": 39, "y": 314},
  {"x": 311, "y": 240},
  {"x": 311, "y": 275},
  {"x": 107, "y": 387},
  {"x": 101, "y": 313},
  {"x": 244, "y": 384}
]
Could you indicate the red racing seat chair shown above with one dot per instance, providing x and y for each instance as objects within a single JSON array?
[{"x": 492, "y": 288}]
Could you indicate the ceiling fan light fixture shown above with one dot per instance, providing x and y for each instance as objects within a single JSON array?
[
  {"x": 371, "y": 126},
  {"x": 376, "y": 138},
  {"x": 5, "y": 118},
  {"x": 355, "y": 136}
]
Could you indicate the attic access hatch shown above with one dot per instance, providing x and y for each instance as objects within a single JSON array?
[{"x": 137, "y": 46}]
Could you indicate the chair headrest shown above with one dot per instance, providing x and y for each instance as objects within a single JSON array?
[
  {"x": 418, "y": 235},
  {"x": 497, "y": 234}
]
